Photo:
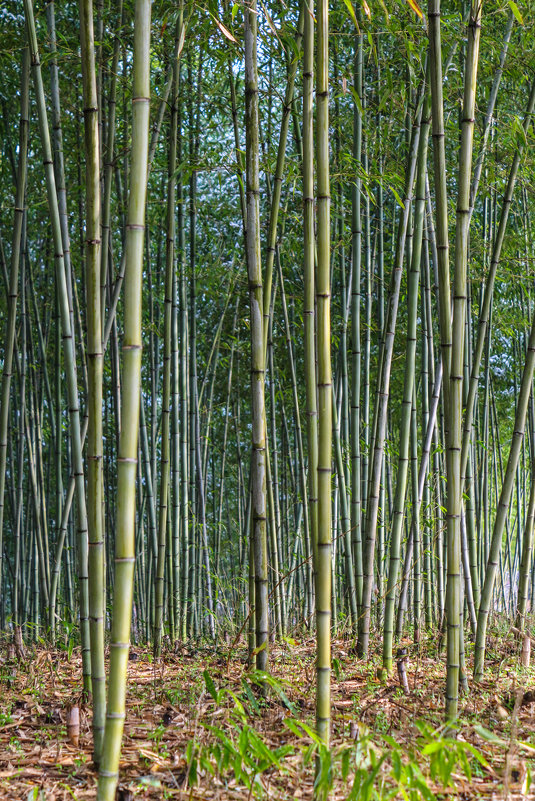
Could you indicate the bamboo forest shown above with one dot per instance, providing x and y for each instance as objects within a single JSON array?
[{"x": 267, "y": 427}]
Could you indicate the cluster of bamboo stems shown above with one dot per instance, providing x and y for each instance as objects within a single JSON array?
[{"x": 371, "y": 508}]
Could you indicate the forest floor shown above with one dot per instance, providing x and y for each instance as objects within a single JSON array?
[{"x": 199, "y": 727}]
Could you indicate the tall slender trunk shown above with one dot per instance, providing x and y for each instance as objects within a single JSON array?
[
  {"x": 455, "y": 389},
  {"x": 383, "y": 390},
  {"x": 163, "y": 519},
  {"x": 95, "y": 367},
  {"x": 323, "y": 335},
  {"x": 258, "y": 466},
  {"x": 12, "y": 301},
  {"x": 128, "y": 444},
  {"x": 409, "y": 381},
  {"x": 309, "y": 251},
  {"x": 68, "y": 343},
  {"x": 356, "y": 248}
]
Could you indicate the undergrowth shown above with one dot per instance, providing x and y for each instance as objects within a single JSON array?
[{"x": 372, "y": 768}]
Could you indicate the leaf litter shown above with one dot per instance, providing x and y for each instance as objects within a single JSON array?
[{"x": 196, "y": 704}]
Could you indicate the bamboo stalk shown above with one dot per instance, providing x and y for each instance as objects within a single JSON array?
[
  {"x": 323, "y": 339},
  {"x": 12, "y": 301},
  {"x": 68, "y": 342},
  {"x": 258, "y": 467},
  {"x": 128, "y": 445}
]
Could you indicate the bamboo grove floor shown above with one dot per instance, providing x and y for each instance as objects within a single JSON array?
[{"x": 171, "y": 704}]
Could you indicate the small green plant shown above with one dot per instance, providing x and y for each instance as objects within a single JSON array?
[
  {"x": 238, "y": 750},
  {"x": 15, "y": 744},
  {"x": 378, "y": 769},
  {"x": 157, "y": 736},
  {"x": 382, "y": 724},
  {"x": 35, "y": 794},
  {"x": 241, "y": 752},
  {"x": 446, "y": 753},
  {"x": 80, "y": 760},
  {"x": 336, "y": 668},
  {"x": 66, "y": 789}
]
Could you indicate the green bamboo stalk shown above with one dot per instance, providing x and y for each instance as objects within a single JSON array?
[
  {"x": 309, "y": 551},
  {"x": 272, "y": 477},
  {"x": 224, "y": 449},
  {"x": 258, "y": 469},
  {"x": 484, "y": 315},
  {"x": 345, "y": 519},
  {"x": 66, "y": 508},
  {"x": 323, "y": 338},
  {"x": 57, "y": 144},
  {"x": 427, "y": 354},
  {"x": 356, "y": 251},
  {"x": 184, "y": 411},
  {"x": 68, "y": 342},
  {"x": 175, "y": 453},
  {"x": 455, "y": 391},
  {"x": 167, "y": 343},
  {"x": 149, "y": 497},
  {"x": 21, "y": 364},
  {"x": 503, "y": 506},
  {"x": 416, "y": 535},
  {"x": 12, "y": 299},
  {"x": 409, "y": 380},
  {"x": 109, "y": 159},
  {"x": 308, "y": 268},
  {"x": 527, "y": 535},
  {"x": 194, "y": 562},
  {"x": 383, "y": 384},
  {"x": 441, "y": 199},
  {"x": 131, "y": 397},
  {"x": 204, "y": 556},
  {"x": 489, "y": 113},
  {"x": 367, "y": 443},
  {"x": 279, "y": 170},
  {"x": 95, "y": 374},
  {"x": 18, "y": 578}
]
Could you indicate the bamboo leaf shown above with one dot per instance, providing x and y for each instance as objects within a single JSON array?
[
  {"x": 373, "y": 49},
  {"x": 416, "y": 8},
  {"x": 357, "y": 100},
  {"x": 387, "y": 15},
  {"x": 516, "y": 12},
  {"x": 210, "y": 686},
  {"x": 269, "y": 21},
  {"x": 486, "y": 734},
  {"x": 351, "y": 10},
  {"x": 181, "y": 41},
  {"x": 398, "y": 198},
  {"x": 225, "y": 31},
  {"x": 250, "y": 697}
]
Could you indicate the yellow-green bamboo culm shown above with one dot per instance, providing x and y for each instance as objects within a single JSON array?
[
  {"x": 167, "y": 345},
  {"x": 68, "y": 342},
  {"x": 95, "y": 366},
  {"x": 12, "y": 303},
  {"x": 309, "y": 254},
  {"x": 356, "y": 251},
  {"x": 323, "y": 338},
  {"x": 454, "y": 434},
  {"x": 383, "y": 391},
  {"x": 258, "y": 460},
  {"x": 128, "y": 442},
  {"x": 409, "y": 379}
]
